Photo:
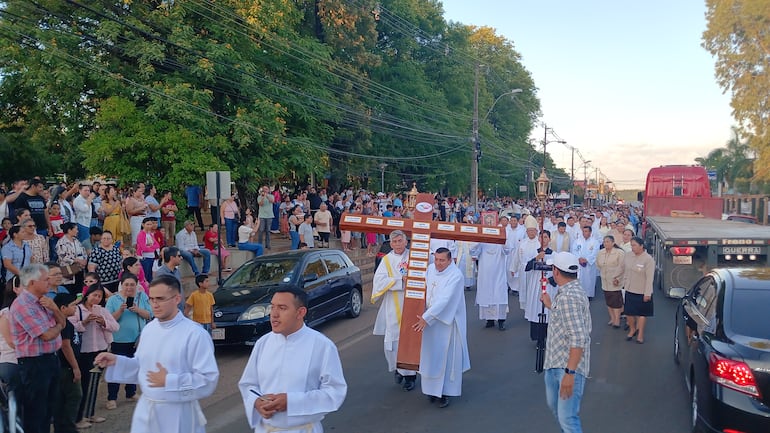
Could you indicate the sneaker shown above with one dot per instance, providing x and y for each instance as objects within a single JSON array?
[
  {"x": 97, "y": 419},
  {"x": 111, "y": 404},
  {"x": 83, "y": 424}
]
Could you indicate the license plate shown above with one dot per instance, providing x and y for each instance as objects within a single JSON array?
[
  {"x": 682, "y": 260},
  {"x": 218, "y": 334},
  {"x": 741, "y": 250}
]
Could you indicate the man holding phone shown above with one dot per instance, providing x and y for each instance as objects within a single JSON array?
[{"x": 131, "y": 309}]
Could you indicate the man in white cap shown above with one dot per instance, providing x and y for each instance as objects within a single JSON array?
[
  {"x": 527, "y": 251},
  {"x": 567, "y": 349}
]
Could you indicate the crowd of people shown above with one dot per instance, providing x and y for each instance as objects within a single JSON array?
[
  {"x": 88, "y": 267},
  {"x": 553, "y": 259}
]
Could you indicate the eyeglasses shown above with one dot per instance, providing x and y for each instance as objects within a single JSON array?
[
  {"x": 29, "y": 226},
  {"x": 161, "y": 299}
]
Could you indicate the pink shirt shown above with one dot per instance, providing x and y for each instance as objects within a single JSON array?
[
  {"x": 146, "y": 245},
  {"x": 96, "y": 337}
]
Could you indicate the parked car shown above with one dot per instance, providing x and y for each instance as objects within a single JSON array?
[
  {"x": 722, "y": 343},
  {"x": 329, "y": 277}
]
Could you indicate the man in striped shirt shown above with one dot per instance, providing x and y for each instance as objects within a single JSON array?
[{"x": 567, "y": 348}]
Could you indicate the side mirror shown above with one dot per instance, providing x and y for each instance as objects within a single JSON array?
[
  {"x": 309, "y": 277},
  {"x": 677, "y": 292}
]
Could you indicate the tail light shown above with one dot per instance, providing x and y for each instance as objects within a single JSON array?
[
  {"x": 682, "y": 251},
  {"x": 732, "y": 374}
]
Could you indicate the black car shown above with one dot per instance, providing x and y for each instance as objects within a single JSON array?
[
  {"x": 242, "y": 309},
  {"x": 722, "y": 343}
]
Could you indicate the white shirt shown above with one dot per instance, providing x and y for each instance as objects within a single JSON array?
[
  {"x": 306, "y": 366},
  {"x": 187, "y": 241},
  {"x": 82, "y": 211}
]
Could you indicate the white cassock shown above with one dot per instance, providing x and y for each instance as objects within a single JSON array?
[
  {"x": 587, "y": 249},
  {"x": 512, "y": 242},
  {"x": 492, "y": 286},
  {"x": 442, "y": 243},
  {"x": 465, "y": 262},
  {"x": 444, "y": 351},
  {"x": 306, "y": 366},
  {"x": 534, "y": 306},
  {"x": 526, "y": 252},
  {"x": 560, "y": 242},
  {"x": 388, "y": 285},
  {"x": 185, "y": 349}
]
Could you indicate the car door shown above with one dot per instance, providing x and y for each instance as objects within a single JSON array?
[
  {"x": 339, "y": 280},
  {"x": 700, "y": 306},
  {"x": 315, "y": 283}
]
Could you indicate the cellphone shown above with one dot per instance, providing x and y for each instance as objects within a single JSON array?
[{"x": 130, "y": 301}]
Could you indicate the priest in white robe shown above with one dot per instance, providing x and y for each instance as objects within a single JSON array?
[
  {"x": 465, "y": 262},
  {"x": 560, "y": 240},
  {"x": 444, "y": 351},
  {"x": 526, "y": 251},
  {"x": 173, "y": 365},
  {"x": 492, "y": 286},
  {"x": 586, "y": 248},
  {"x": 442, "y": 243},
  {"x": 534, "y": 272},
  {"x": 388, "y": 284},
  {"x": 294, "y": 375},
  {"x": 512, "y": 242}
]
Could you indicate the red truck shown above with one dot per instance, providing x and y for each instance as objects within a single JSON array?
[{"x": 684, "y": 231}]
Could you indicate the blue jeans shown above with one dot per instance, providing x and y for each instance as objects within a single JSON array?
[
  {"x": 252, "y": 246},
  {"x": 276, "y": 211},
  {"x": 83, "y": 233},
  {"x": 189, "y": 258},
  {"x": 231, "y": 231},
  {"x": 264, "y": 227},
  {"x": 146, "y": 263},
  {"x": 294, "y": 240},
  {"x": 566, "y": 411}
]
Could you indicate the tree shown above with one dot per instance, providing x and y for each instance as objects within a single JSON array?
[
  {"x": 731, "y": 163},
  {"x": 737, "y": 36}
]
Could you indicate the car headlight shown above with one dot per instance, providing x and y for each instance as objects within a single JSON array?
[{"x": 255, "y": 312}]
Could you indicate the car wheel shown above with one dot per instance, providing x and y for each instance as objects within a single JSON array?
[
  {"x": 694, "y": 404},
  {"x": 356, "y": 302},
  {"x": 677, "y": 348}
]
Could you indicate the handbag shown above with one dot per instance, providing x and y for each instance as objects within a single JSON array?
[
  {"x": 125, "y": 225},
  {"x": 70, "y": 271}
]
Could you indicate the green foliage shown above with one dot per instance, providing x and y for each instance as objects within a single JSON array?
[
  {"x": 737, "y": 37},
  {"x": 272, "y": 90}
]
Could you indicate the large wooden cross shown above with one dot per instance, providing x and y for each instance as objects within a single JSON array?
[{"x": 421, "y": 228}]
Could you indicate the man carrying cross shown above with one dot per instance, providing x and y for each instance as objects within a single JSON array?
[
  {"x": 444, "y": 351},
  {"x": 388, "y": 283}
]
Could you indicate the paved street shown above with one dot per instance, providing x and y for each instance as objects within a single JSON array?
[{"x": 633, "y": 388}]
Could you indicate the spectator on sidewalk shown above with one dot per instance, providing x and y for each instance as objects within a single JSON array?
[
  {"x": 201, "y": 302},
  {"x": 212, "y": 242},
  {"x": 265, "y": 214},
  {"x": 187, "y": 242},
  {"x": 194, "y": 196},
  {"x": 83, "y": 210},
  {"x": 168, "y": 210}
]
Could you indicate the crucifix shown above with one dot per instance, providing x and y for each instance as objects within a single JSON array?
[{"x": 421, "y": 228}]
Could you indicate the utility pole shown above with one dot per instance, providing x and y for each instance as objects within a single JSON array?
[
  {"x": 572, "y": 187},
  {"x": 476, "y": 145}
]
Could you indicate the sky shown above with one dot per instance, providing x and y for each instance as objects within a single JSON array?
[{"x": 627, "y": 83}]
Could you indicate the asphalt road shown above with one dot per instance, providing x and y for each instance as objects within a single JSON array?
[{"x": 632, "y": 388}]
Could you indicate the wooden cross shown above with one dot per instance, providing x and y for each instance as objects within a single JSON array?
[{"x": 421, "y": 229}]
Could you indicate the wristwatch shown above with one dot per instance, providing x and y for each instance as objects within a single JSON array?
[{"x": 568, "y": 371}]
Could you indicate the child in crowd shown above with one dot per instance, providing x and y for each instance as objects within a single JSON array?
[
  {"x": 70, "y": 391},
  {"x": 201, "y": 302}
]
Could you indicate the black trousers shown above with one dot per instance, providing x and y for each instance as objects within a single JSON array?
[
  {"x": 86, "y": 363},
  {"x": 40, "y": 380}
]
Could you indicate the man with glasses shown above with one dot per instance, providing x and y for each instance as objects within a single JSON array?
[
  {"x": 176, "y": 358},
  {"x": 172, "y": 258},
  {"x": 54, "y": 280},
  {"x": 36, "y": 325}
]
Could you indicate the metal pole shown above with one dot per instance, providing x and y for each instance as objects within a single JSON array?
[
  {"x": 572, "y": 189},
  {"x": 219, "y": 234},
  {"x": 475, "y": 161}
]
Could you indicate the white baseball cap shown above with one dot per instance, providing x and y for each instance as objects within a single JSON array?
[{"x": 566, "y": 262}]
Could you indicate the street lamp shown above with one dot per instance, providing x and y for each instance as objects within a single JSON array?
[
  {"x": 475, "y": 138},
  {"x": 382, "y": 176}
]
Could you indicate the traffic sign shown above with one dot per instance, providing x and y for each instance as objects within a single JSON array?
[{"x": 712, "y": 175}]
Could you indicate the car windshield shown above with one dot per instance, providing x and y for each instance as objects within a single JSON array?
[
  {"x": 263, "y": 272},
  {"x": 749, "y": 313}
]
